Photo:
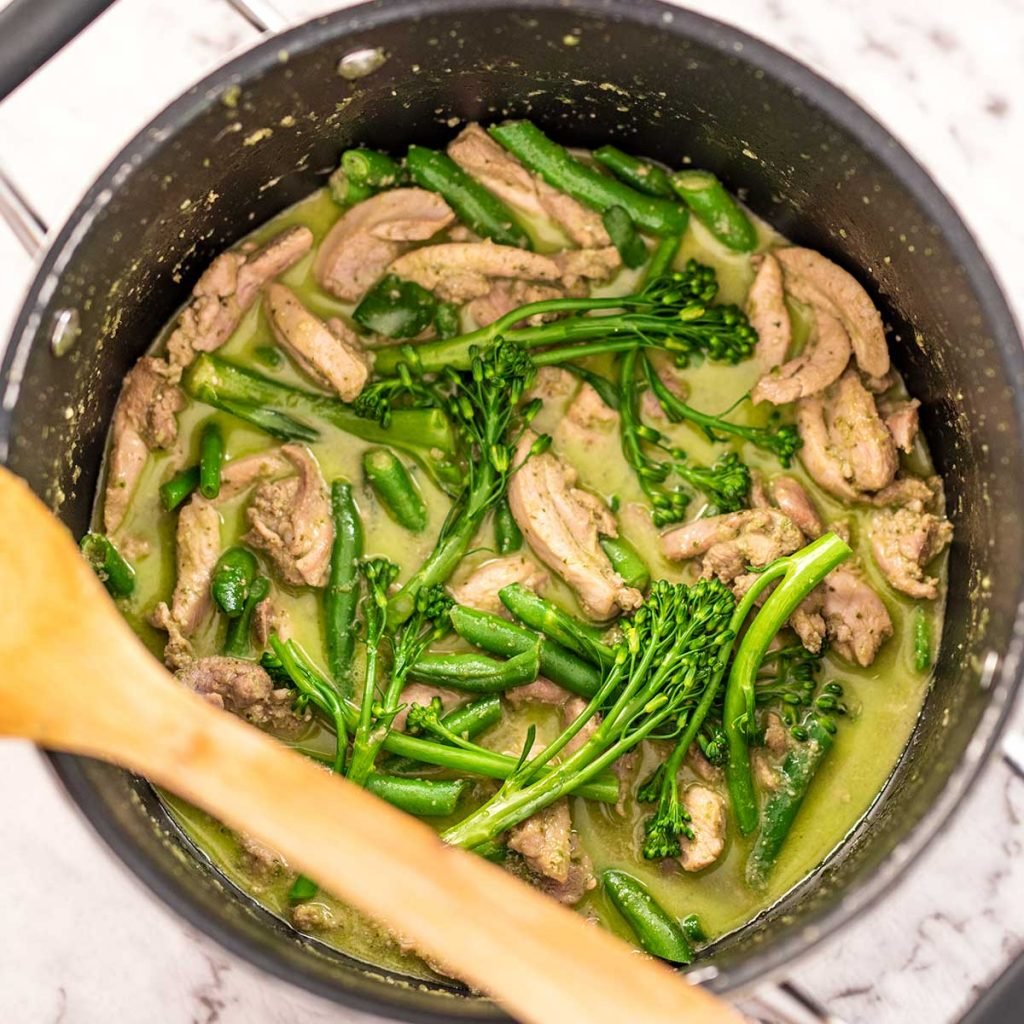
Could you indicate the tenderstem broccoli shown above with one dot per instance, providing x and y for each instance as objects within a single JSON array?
[
  {"x": 674, "y": 313},
  {"x": 483, "y": 407}
]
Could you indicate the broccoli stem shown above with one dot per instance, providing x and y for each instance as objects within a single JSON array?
[
  {"x": 467, "y": 721},
  {"x": 662, "y": 258},
  {"x": 780, "y": 811},
  {"x": 557, "y": 625},
  {"x": 426, "y": 434},
  {"x": 783, "y": 441},
  {"x": 797, "y": 575},
  {"x": 344, "y": 716},
  {"x": 341, "y": 595},
  {"x": 560, "y": 169}
]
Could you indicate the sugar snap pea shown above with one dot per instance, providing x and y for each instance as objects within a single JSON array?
[
  {"x": 238, "y": 642},
  {"x": 476, "y": 673},
  {"x": 643, "y": 175},
  {"x": 232, "y": 576},
  {"x": 480, "y": 210},
  {"x": 369, "y": 168},
  {"x": 114, "y": 571},
  {"x": 179, "y": 488},
  {"x": 712, "y": 205},
  {"x": 211, "y": 460},
  {"x": 626, "y": 561},
  {"x": 507, "y": 535},
  {"x": 498, "y": 636},
  {"x": 394, "y": 487},
  {"x": 658, "y": 932},
  {"x": 560, "y": 169}
]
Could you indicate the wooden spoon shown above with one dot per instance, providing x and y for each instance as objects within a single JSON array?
[{"x": 76, "y": 678}]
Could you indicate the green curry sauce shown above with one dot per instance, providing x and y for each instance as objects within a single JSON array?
[{"x": 884, "y": 700}]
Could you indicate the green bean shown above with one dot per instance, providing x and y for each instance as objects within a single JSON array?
[
  {"x": 346, "y": 192},
  {"x": 179, "y": 488},
  {"x": 657, "y": 932},
  {"x": 303, "y": 888},
  {"x": 341, "y": 595},
  {"x": 662, "y": 258},
  {"x": 370, "y": 168},
  {"x": 922, "y": 640},
  {"x": 507, "y": 535},
  {"x": 447, "y": 321},
  {"x": 232, "y": 577},
  {"x": 426, "y": 798},
  {"x": 712, "y": 205},
  {"x": 237, "y": 643},
  {"x": 115, "y": 573},
  {"x": 622, "y": 231},
  {"x": 643, "y": 175},
  {"x": 211, "y": 460},
  {"x": 626, "y": 561},
  {"x": 396, "y": 308},
  {"x": 557, "y": 625},
  {"x": 394, "y": 487},
  {"x": 563, "y": 171},
  {"x": 782, "y": 807},
  {"x": 481, "y": 211},
  {"x": 467, "y": 721},
  {"x": 476, "y": 673},
  {"x": 497, "y": 636}
]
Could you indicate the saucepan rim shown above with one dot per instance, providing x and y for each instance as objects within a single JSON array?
[{"x": 836, "y": 107}]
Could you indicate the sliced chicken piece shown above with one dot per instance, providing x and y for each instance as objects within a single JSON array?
[
  {"x": 422, "y": 694},
  {"x": 902, "y": 421},
  {"x": 912, "y": 492},
  {"x": 501, "y": 173},
  {"x": 766, "y": 310},
  {"x": 260, "y": 860},
  {"x": 371, "y": 235},
  {"x": 570, "y": 710},
  {"x": 245, "y": 689},
  {"x": 587, "y": 420},
  {"x": 728, "y": 544},
  {"x": 578, "y": 266},
  {"x": 269, "y": 618},
  {"x": 506, "y": 295},
  {"x": 562, "y": 524},
  {"x": 460, "y": 271},
  {"x": 196, "y": 553},
  {"x": 776, "y": 736},
  {"x": 290, "y": 519},
  {"x": 903, "y": 543},
  {"x": 857, "y": 430},
  {"x": 540, "y": 691},
  {"x": 820, "y": 283},
  {"x": 820, "y": 364},
  {"x": 227, "y": 289},
  {"x": 549, "y": 846},
  {"x": 238, "y": 475},
  {"x": 847, "y": 448},
  {"x": 312, "y": 917},
  {"x": 707, "y": 819},
  {"x": 553, "y": 384},
  {"x": 856, "y": 621},
  {"x": 331, "y": 355},
  {"x": 791, "y": 499},
  {"x": 144, "y": 420},
  {"x": 480, "y": 588},
  {"x": 701, "y": 766}
]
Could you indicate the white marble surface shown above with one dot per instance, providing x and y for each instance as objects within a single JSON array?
[{"x": 82, "y": 942}]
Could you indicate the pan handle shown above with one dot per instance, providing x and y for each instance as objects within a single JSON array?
[{"x": 33, "y": 31}]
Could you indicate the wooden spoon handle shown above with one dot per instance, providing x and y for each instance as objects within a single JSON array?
[{"x": 76, "y": 678}]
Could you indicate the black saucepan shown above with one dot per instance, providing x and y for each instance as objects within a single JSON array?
[{"x": 264, "y": 130}]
